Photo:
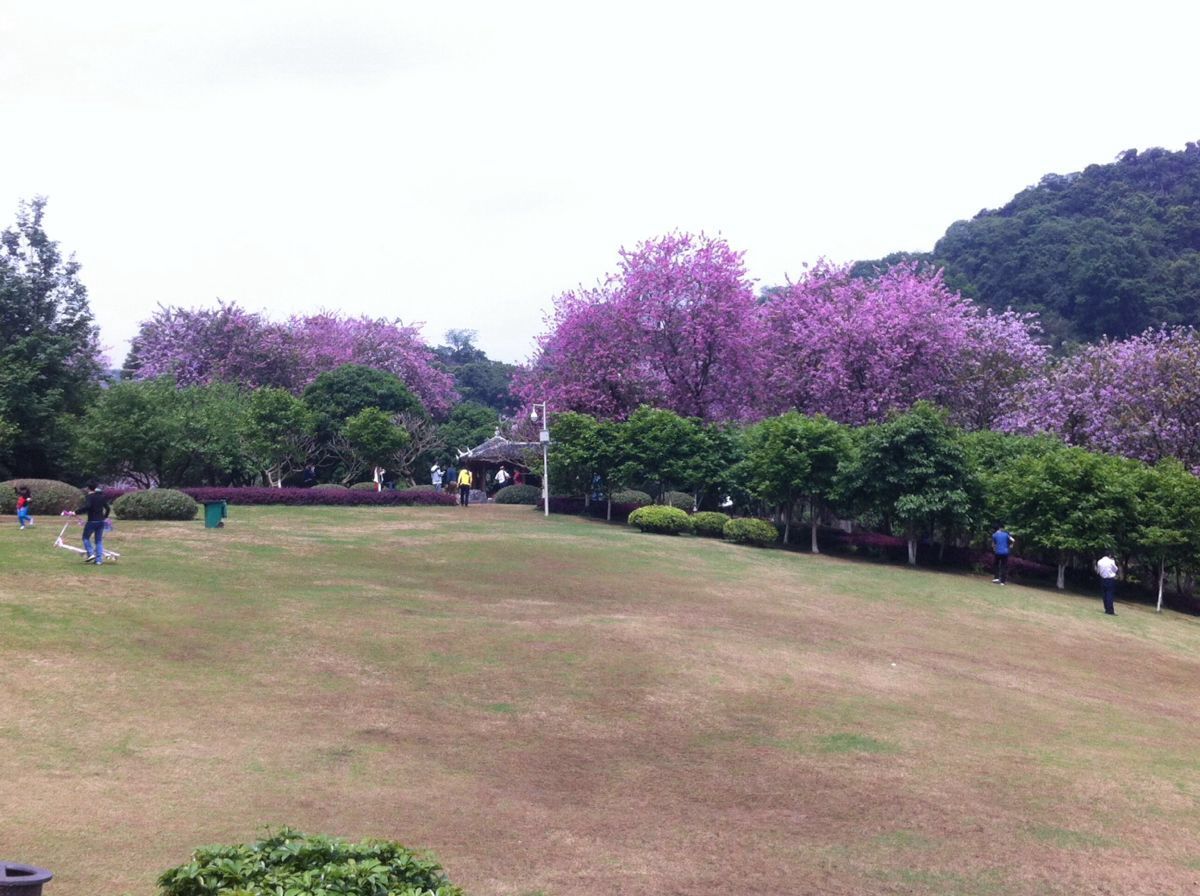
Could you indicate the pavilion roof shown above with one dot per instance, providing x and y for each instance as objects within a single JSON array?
[{"x": 499, "y": 450}]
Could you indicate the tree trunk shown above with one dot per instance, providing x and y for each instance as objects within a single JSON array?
[
  {"x": 912, "y": 550},
  {"x": 1162, "y": 575},
  {"x": 608, "y": 512},
  {"x": 1062, "y": 574},
  {"x": 813, "y": 517}
]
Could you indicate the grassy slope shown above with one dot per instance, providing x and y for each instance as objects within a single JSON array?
[{"x": 566, "y": 707}]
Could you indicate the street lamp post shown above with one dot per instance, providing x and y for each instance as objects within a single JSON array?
[{"x": 544, "y": 438}]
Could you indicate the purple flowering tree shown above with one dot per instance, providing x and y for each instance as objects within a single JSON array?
[
  {"x": 230, "y": 344},
  {"x": 1137, "y": 397},
  {"x": 676, "y": 327},
  {"x": 856, "y": 349}
]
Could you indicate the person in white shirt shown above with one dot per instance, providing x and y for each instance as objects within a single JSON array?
[
  {"x": 1106, "y": 566},
  {"x": 501, "y": 478},
  {"x": 435, "y": 476}
]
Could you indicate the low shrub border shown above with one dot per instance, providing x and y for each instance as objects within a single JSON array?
[
  {"x": 682, "y": 500},
  {"x": 518, "y": 494},
  {"x": 155, "y": 504},
  {"x": 661, "y": 520},
  {"x": 298, "y": 497},
  {"x": 759, "y": 533},
  {"x": 632, "y": 496},
  {"x": 710, "y": 523},
  {"x": 342, "y": 497}
]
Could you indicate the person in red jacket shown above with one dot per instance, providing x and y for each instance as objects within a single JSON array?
[{"x": 24, "y": 499}]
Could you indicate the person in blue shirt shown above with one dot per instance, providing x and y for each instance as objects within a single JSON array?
[{"x": 1002, "y": 545}]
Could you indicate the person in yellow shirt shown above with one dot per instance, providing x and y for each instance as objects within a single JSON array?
[{"x": 464, "y": 486}]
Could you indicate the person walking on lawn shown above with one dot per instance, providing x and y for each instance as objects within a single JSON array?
[
  {"x": 464, "y": 487},
  {"x": 1106, "y": 566},
  {"x": 97, "y": 508},
  {"x": 1002, "y": 545}
]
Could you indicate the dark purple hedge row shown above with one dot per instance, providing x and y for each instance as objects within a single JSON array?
[
  {"x": 598, "y": 509},
  {"x": 327, "y": 497}
]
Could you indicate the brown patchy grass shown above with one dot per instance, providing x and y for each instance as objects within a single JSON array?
[{"x": 565, "y": 707}]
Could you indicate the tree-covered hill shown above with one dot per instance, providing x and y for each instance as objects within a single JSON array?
[{"x": 1111, "y": 250}]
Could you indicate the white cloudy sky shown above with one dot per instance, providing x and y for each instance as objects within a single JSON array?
[{"x": 459, "y": 164}]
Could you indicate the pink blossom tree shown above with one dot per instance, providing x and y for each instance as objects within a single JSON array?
[
  {"x": 676, "y": 327},
  {"x": 230, "y": 344},
  {"x": 856, "y": 349},
  {"x": 1138, "y": 397}
]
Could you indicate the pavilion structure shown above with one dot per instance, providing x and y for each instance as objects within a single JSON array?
[{"x": 486, "y": 459}]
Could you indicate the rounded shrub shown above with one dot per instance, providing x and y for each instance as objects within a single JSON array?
[
  {"x": 335, "y": 485},
  {"x": 49, "y": 496},
  {"x": 759, "y": 533},
  {"x": 423, "y": 488},
  {"x": 291, "y": 862},
  {"x": 682, "y": 500},
  {"x": 661, "y": 520},
  {"x": 363, "y": 487},
  {"x": 155, "y": 504},
  {"x": 709, "y": 523},
  {"x": 519, "y": 494},
  {"x": 632, "y": 496}
]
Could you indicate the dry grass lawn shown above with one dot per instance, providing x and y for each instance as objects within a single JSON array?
[{"x": 566, "y": 707}]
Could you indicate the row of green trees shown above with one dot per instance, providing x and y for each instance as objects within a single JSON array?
[
  {"x": 914, "y": 475},
  {"x": 347, "y": 422}
]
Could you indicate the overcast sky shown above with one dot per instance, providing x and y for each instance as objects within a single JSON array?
[{"x": 459, "y": 164}]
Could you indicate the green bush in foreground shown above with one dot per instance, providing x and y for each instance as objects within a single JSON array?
[
  {"x": 709, "y": 523},
  {"x": 155, "y": 504},
  {"x": 519, "y": 494},
  {"x": 632, "y": 496},
  {"x": 297, "y": 864},
  {"x": 364, "y": 487},
  {"x": 759, "y": 533},
  {"x": 49, "y": 496},
  {"x": 661, "y": 520},
  {"x": 682, "y": 500}
]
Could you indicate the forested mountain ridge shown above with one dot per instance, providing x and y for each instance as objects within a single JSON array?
[{"x": 1108, "y": 251}]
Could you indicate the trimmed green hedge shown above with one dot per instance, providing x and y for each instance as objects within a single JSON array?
[
  {"x": 759, "y": 533},
  {"x": 335, "y": 485},
  {"x": 518, "y": 494},
  {"x": 295, "y": 863},
  {"x": 682, "y": 500},
  {"x": 661, "y": 520},
  {"x": 363, "y": 487},
  {"x": 155, "y": 504},
  {"x": 710, "y": 523},
  {"x": 49, "y": 496},
  {"x": 632, "y": 496}
]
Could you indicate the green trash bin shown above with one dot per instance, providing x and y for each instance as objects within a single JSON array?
[{"x": 214, "y": 512}]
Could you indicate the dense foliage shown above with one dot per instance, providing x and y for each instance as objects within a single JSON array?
[
  {"x": 1112, "y": 250},
  {"x": 155, "y": 504},
  {"x": 48, "y": 496},
  {"x": 292, "y": 863},
  {"x": 49, "y": 351},
  {"x": 661, "y": 520}
]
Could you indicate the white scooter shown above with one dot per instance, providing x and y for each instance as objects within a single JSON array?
[{"x": 109, "y": 556}]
